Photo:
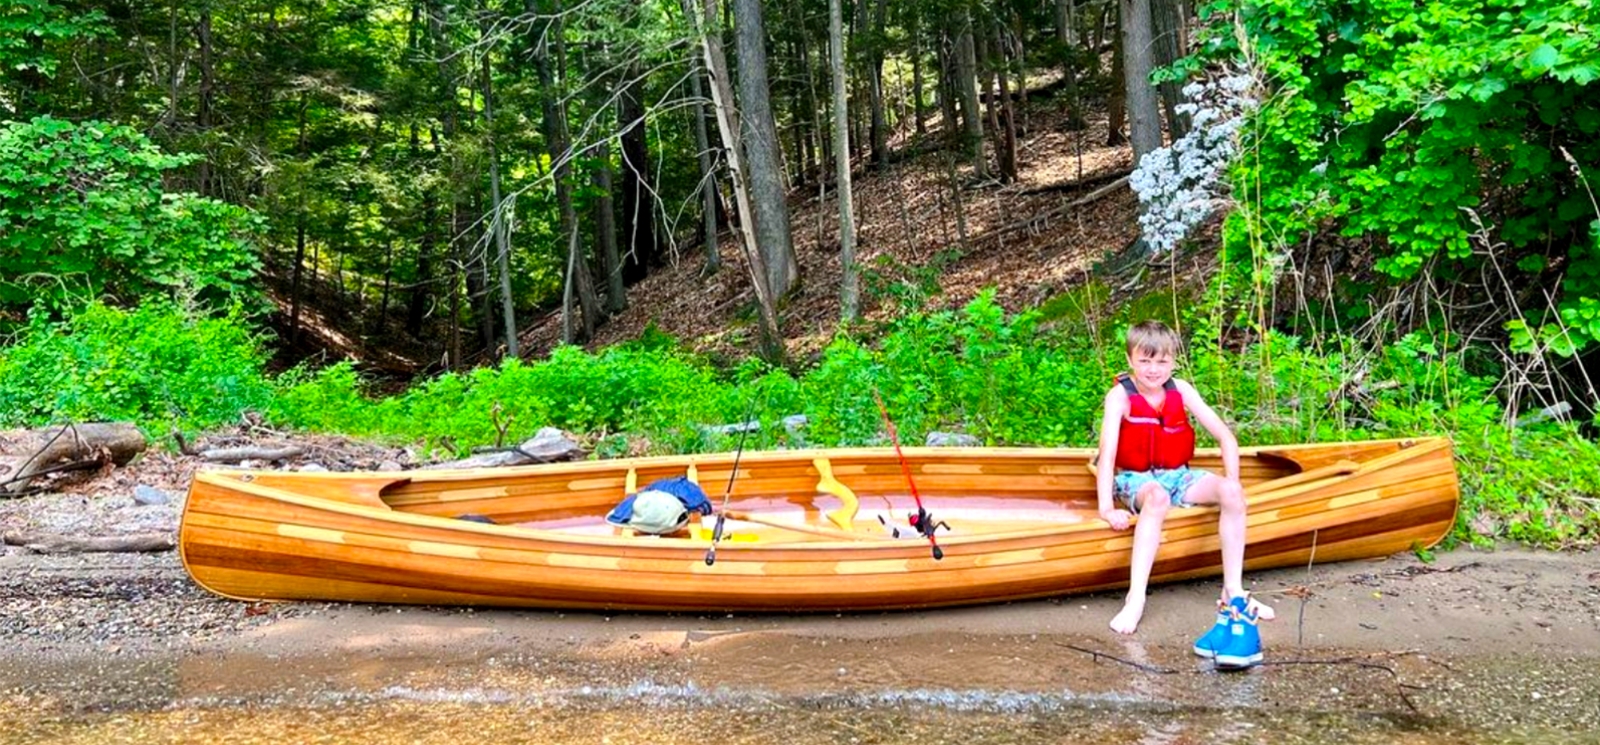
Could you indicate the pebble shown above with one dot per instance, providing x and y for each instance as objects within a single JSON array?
[{"x": 149, "y": 495}]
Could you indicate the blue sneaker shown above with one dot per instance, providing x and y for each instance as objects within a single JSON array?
[
  {"x": 1242, "y": 648},
  {"x": 1206, "y": 646}
]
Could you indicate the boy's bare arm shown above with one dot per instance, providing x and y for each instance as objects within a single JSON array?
[
  {"x": 1213, "y": 423},
  {"x": 1116, "y": 407}
]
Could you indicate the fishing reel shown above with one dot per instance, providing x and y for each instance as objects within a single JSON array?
[{"x": 922, "y": 524}]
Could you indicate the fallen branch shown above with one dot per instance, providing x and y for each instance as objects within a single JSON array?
[
  {"x": 50, "y": 543},
  {"x": 1114, "y": 658},
  {"x": 69, "y": 447},
  {"x": 1038, "y": 221},
  {"x": 234, "y": 455}
]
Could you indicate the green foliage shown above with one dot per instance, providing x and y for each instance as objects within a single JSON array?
[
  {"x": 82, "y": 213},
  {"x": 1405, "y": 124},
  {"x": 157, "y": 365},
  {"x": 29, "y": 27},
  {"x": 978, "y": 371}
]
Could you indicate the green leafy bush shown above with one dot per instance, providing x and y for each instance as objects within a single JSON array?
[
  {"x": 156, "y": 365},
  {"x": 83, "y": 214},
  {"x": 1447, "y": 135}
]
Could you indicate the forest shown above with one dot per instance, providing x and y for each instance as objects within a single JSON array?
[{"x": 444, "y": 224}]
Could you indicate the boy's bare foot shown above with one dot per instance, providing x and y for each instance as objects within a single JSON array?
[{"x": 1127, "y": 621}]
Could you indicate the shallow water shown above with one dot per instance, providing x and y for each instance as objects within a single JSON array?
[{"x": 799, "y": 691}]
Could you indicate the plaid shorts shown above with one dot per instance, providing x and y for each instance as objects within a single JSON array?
[{"x": 1177, "y": 482}]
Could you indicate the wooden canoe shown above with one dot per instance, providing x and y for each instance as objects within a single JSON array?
[{"x": 804, "y": 534}]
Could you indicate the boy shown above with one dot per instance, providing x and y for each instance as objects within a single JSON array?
[{"x": 1146, "y": 442}]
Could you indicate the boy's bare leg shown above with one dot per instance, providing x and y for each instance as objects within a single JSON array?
[
  {"x": 1229, "y": 497},
  {"x": 1153, "y": 502}
]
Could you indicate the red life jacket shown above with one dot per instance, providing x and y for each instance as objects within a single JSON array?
[{"x": 1150, "y": 439}]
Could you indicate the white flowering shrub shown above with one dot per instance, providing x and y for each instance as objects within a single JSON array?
[{"x": 1181, "y": 185}]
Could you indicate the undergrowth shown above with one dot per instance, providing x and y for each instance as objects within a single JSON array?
[{"x": 1004, "y": 379}]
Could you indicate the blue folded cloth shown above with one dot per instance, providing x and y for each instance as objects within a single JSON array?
[{"x": 687, "y": 492}]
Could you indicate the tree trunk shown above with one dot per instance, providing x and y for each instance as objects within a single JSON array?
[
  {"x": 708, "y": 174},
  {"x": 605, "y": 222},
  {"x": 554, "y": 126},
  {"x": 638, "y": 208},
  {"x": 71, "y": 447},
  {"x": 946, "y": 90},
  {"x": 500, "y": 224},
  {"x": 772, "y": 348},
  {"x": 760, "y": 139},
  {"x": 918, "y": 109},
  {"x": 208, "y": 84},
  {"x": 1170, "y": 44},
  {"x": 1066, "y": 23},
  {"x": 879, "y": 128},
  {"x": 849, "y": 284},
  {"x": 1008, "y": 127},
  {"x": 1117, "y": 101},
  {"x": 967, "y": 90},
  {"x": 1144, "y": 118}
]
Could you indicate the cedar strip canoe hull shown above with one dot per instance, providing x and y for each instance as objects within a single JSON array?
[{"x": 1022, "y": 520}]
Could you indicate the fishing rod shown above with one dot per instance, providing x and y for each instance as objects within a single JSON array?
[
  {"x": 922, "y": 521},
  {"x": 722, "y": 512}
]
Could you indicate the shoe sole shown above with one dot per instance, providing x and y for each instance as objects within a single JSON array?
[
  {"x": 1237, "y": 662},
  {"x": 1203, "y": 652}
]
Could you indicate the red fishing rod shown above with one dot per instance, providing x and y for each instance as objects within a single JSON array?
[{"x": 921, "y": 521}]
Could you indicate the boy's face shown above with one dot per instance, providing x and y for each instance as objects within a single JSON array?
[{"x": 1151, "y": 369}]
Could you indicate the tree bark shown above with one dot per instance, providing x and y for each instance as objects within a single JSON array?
[
  {"x": 70, "y": 447},
  {"x": 500, "y": 224},
  {"x": 849, "y": 284},
  {"x": 708, "y": 174},
  {"x": 208, "y": 85},
  {"x": 729, "y": 127},
  {"x": 879, "y": 126},
  {"x": 918, "y": 108},
  {"x": 1008, "y": 126},
  {"x": 554, "y": 124},
  {"x": 967, "y": 90},
  {"x": 605, "y": 222},
  {"x": 760, "y": 140},
  {"x": 638, "y": 207},
  {"x": 1170, "y": 44},
  {"x": 1117, "y": 101},
  {"x": 1144, "y": 119}
]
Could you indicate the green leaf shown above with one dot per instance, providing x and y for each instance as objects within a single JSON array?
[{"x": 1544, "y": 58}]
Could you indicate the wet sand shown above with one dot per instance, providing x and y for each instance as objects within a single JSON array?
[{"x": 1476, "y": 647}]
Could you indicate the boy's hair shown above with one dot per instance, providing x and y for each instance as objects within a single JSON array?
[{"x": 1154, "y": 338}]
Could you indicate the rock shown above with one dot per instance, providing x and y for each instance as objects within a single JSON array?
[
  {"x": 314, "y": 468},
  {"x": 951, "y": 440},
  {"x": 795, "y": 425},
  {"x": 149, "y": 495},
  {"x": 549, "y": 445},
  {"x": 754, "y": 425},
  {"x": 390, "y": 465}
]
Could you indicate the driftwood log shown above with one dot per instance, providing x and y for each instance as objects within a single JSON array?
[
  {"x": 549, "y": 445},
  {"x": 51, "y": 543},
  {"x": 234, "y": 455},
  {"x": 73, "y": 447}
]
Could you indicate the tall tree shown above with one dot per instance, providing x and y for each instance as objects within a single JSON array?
[
  {"x": 849, "y": 283},
  {"x": 500, "y": 219},
  {"x": 1138, "y": 61},
  {"x": 548, "y": 34},
  {"x": 760, "y": 139},
  {"x": 966, "y": 83},
  {"x": 728, "y": 125}
]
